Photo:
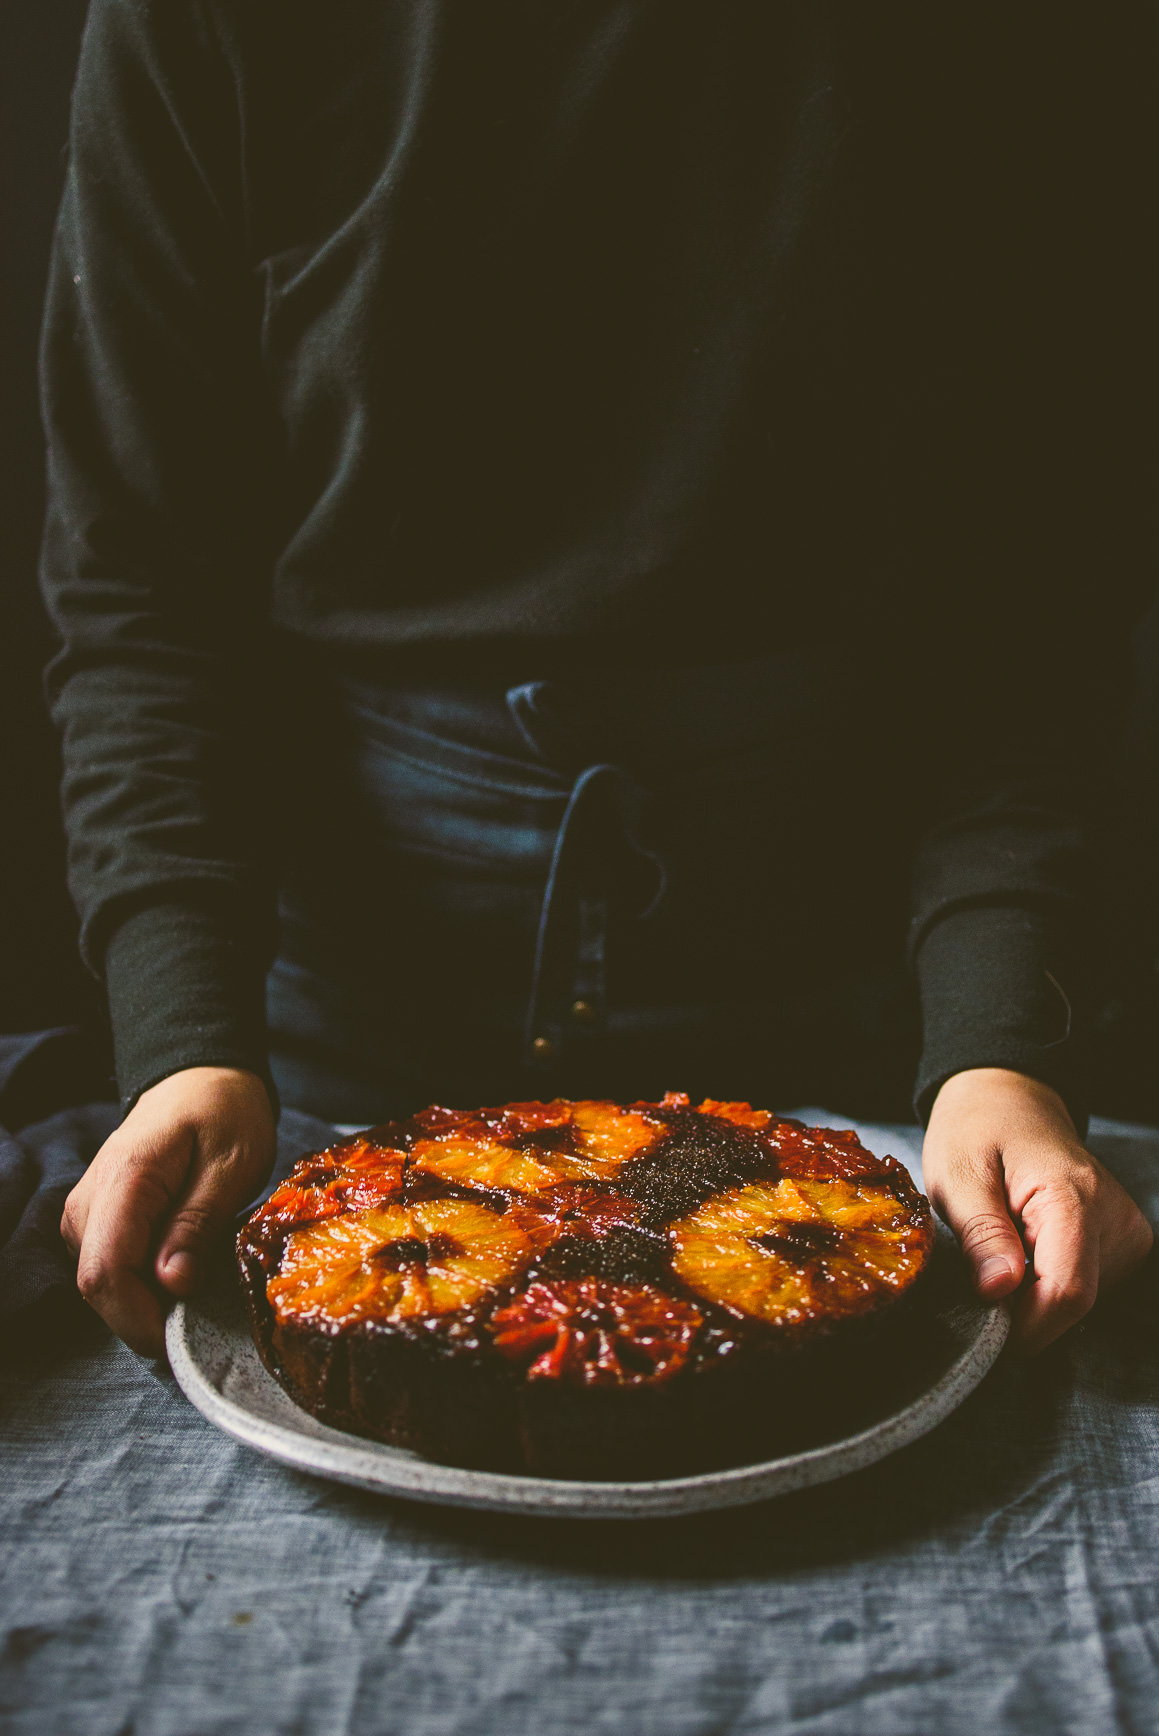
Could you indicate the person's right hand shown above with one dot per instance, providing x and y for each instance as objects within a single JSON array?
[{"x": 191, "y": 1152}]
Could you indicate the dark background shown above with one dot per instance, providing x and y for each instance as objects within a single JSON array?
[{"x": 41, "y": 980}]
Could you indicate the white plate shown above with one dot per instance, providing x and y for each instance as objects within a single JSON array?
[{"x": 218, "y": 1368}]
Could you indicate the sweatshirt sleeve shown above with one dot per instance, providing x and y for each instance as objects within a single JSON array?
[
  {"x": 1025, "y": 719},
  {"x": 157, "y": 547},
  {"x": 1024, "y": 437}
]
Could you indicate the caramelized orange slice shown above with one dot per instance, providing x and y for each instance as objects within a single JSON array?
[
  {"x": 505, "y": 1155},
  {"x": 396, "y": 1263},
  {"x": 480, "y": 1162},
  {"x": 794, "y": 1250},
  {"x": 740, "y": 1114},
  {"x": 596, "y": 1333},
  {"x": 608, "y": 1136},
  {"x": 354, "y": 1176}
]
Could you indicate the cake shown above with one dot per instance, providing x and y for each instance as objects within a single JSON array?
[{"x": 584, "y": 1289}]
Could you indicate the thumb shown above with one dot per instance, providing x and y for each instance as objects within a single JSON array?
[
  {"x": 969, "y": 1192},
  {"x": 218, "y": 1188}
]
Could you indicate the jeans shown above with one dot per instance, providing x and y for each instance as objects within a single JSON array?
[{"x": 619, "y": 888}]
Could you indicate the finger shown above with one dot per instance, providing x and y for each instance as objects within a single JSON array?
[
  {"x": 217, "y": 1189},
  {"x": 971, "y": 1198},
  {"x": 1066, "y": 1274},
  {"x": 75, "y": 1217},
  {"x": 128, "y": 1308},
  {"x": 114, "y": 1253},
  {"x": 1124, "y": 1243}
]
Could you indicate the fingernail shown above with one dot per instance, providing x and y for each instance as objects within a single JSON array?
[
  {"x": 994, "y": 1269},
  {"x": 180, "y": 1268}
]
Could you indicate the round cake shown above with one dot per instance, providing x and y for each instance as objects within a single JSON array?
[{"x": 584, "y": 1289}]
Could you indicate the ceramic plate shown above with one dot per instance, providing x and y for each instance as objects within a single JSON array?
[{"x": 214, "y": 1360}]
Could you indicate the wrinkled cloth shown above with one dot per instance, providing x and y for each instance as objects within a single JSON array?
[{"x": 998, "y": 1575}]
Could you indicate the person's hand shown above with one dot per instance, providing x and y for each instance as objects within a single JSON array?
[
  {"x": 189, "y": 1154},
  {"x": 1004, "y": 1167}
]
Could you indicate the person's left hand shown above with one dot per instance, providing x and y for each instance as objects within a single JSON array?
[{"x": 1004, "y": 1167}]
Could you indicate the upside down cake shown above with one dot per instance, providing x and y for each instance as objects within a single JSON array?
[{"x": 581, "y": 1288}]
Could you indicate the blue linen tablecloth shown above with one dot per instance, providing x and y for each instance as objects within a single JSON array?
[{"x": 1001, "y": 1575}]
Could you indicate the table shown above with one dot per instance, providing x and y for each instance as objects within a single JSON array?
[{"x": 1001, "y": 1575}]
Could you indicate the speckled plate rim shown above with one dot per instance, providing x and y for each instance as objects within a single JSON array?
[{"x": 387, "y": 1470}]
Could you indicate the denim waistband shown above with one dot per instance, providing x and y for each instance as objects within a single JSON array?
[
  {"x": 622, "y": 837},
  {"x": 526, "y": 744},
  {"x": 597, "y": 760}
]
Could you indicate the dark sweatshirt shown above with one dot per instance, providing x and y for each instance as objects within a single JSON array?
[{"x": 448, "y": 336}]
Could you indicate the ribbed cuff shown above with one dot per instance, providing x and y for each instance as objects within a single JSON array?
[
  {"x": 185, "y": 990},
  {"x": 997, "y": 991}
]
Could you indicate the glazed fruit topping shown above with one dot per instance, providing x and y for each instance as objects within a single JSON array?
[
  {"x": 595, "y": 1333},
  {"x": 595, "y": 1211},
  {"x": 799, "y": 1249},
  {"x": 356, "y": 1176},
  {"x": 528, "y": 1147},
  {"x": 396, "y": 1263}
]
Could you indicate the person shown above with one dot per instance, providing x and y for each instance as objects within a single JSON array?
[{"x": 572, "y": 547}]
